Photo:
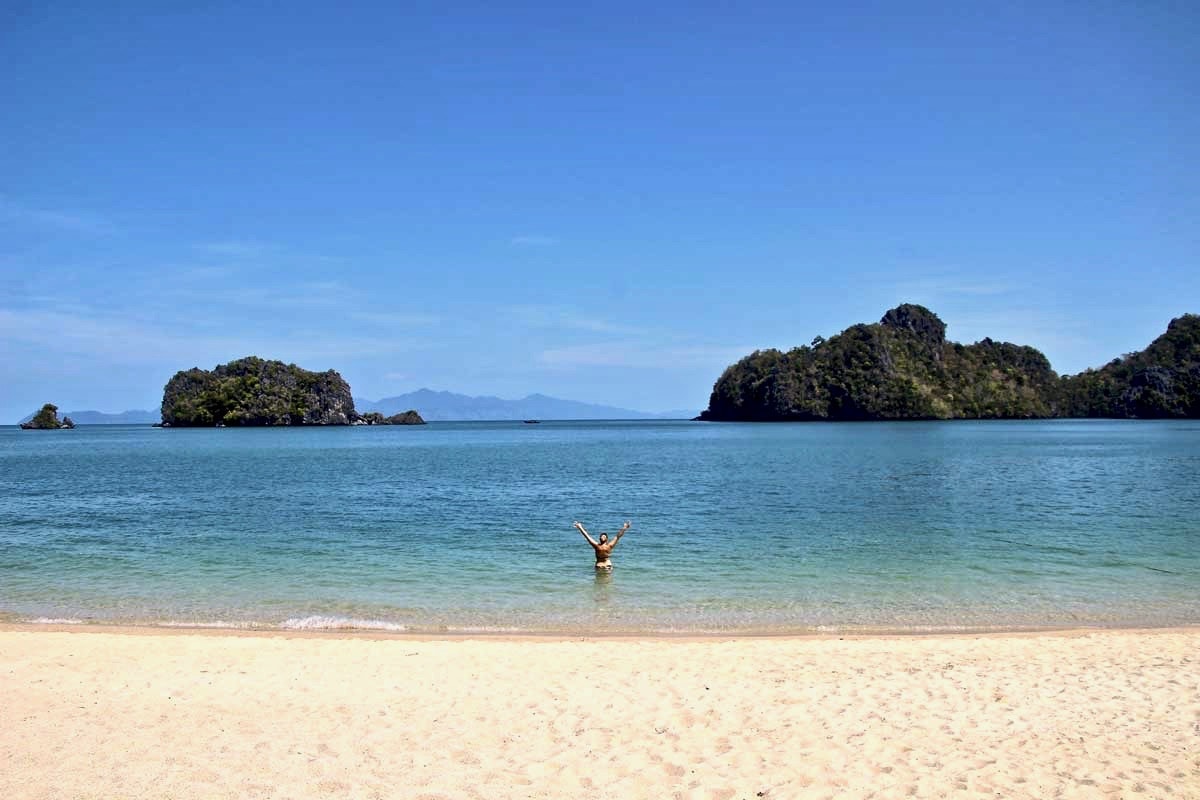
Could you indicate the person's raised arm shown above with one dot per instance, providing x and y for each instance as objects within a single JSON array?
[
  {"x": 591, "y": 541},
  {"x": 621, "y": 532}
]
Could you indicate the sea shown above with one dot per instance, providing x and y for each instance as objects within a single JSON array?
[{"x": 736, "y": 528}]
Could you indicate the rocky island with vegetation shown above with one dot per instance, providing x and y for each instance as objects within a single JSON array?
[
  {"x": 409, "y": 417},
  {"x": 256, "y": 392},
  {"x": 902, "y": 368},
  {"x": 47, "y": 420},
  {"x": 1160, "y": 382}
]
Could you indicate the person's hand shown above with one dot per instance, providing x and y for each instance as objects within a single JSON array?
[
  {"x": 577, "y": 524},
  {"x": 628, "y": 525}
]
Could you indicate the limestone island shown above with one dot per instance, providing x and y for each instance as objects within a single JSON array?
[
  {"x": 410, "y": 417},
  {"x": 47, "y": 420},
  {"x": 252, "y": 391},
  {"x": 902, "y": 368}
]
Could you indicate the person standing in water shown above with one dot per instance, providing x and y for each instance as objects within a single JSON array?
[{"x": 604, "y": 547}]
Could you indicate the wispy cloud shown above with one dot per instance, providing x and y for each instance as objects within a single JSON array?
[
  {"x": 335, "y": 297},
  {"x": 17, "y": 213},
  {"x": 213, "y": 298},
  {"x": 639, "y": 355},
  {"x": 939, "y": 287},
  {"x": 305, "y": 295},
  {"x": 71, "y": 329},
  {"x": 239, "y": 248},
  {"x": 533, "y": 240},
  {"x": 397, "y": 319},
  {"x": 112, "y": 338},
  {"x": 198, "y": 274},
  {"x": 562, "y": 317},
  {"x": 1032, "y": 326}
]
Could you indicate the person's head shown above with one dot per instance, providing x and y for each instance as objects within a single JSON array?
[{"x": 603, "y": 538}]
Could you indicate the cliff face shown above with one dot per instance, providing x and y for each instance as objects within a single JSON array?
[
  {"x": 253, "y": 391},
  {"x": 903, "y": 368}
]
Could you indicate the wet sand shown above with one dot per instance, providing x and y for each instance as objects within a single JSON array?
[{"x": 93, "y": 712}]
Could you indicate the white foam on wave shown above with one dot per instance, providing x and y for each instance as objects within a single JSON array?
[
  {"x": 323, "y": 623},
  {"x": 55, "y": 621},
  {"x": 175, "y": 623}
]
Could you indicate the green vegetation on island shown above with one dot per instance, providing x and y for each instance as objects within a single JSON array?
[
  {"x": 255, "y": 392},
  {"x": 903, "y": 368},
  {"x": 252, "y": 391},
  {"x": 410, "y": 417},
  {"x": 47, "y": 420},
  {"x": 1160, "y": 382}
]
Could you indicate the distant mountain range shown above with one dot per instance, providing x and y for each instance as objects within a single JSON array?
[
  {"x": 433, "y": 406},
  {"x": 100, "y": 418},
  {"x": 447, "y": 406}
]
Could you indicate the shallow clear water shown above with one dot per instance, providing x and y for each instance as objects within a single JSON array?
[{"x": 467, "y": 526}]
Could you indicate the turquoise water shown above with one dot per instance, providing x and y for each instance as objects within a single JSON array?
[{"x": 467, "y": 526}]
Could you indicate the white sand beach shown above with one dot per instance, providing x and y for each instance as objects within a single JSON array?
[{"x": 150, "y": 713}]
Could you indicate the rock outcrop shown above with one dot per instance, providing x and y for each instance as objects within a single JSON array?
[
  {"x": 903, "y": 368},
  {"x": 376, "y": 418},
  {"x": 47, "y": 420},
  {"x": 255, "y": 392},
  {"x": 410, "y": 417}
]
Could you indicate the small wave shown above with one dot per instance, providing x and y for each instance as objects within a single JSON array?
[
  {"x": 321, "y": 623},
  {"x": 55, "y": 621},
  {"x": 175, "y": 623}
]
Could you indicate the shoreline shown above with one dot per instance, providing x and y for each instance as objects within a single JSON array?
[{"x": 371, "y": 634}]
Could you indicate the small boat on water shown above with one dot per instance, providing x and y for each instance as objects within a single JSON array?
[{"x": 533, "y": 422}]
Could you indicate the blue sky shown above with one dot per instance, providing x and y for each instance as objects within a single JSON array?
[{"x": 603, "y": 203}]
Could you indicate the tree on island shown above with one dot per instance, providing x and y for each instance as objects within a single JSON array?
[{"x": 47, "y": 420}]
